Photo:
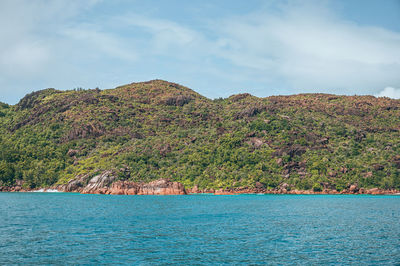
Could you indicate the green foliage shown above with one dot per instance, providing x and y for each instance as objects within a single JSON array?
[
  {"x": 7, "y": 173},
  {"x": 145, "y": 131},
  {"x": 317, "y": 187}
]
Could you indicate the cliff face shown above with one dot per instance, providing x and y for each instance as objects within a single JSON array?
[{"x": 123, "y": 138}]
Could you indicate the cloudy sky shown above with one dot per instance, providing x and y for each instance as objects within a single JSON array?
[{"x": 217, "y": 48}]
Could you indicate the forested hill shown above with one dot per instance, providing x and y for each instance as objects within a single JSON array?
[{"x": 156, "y": 129}]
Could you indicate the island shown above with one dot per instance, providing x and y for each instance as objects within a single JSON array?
[{"x": 161, "y": 138}]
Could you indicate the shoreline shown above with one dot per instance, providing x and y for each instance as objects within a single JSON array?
[
  {"x": 106, "y": 183},
  {"x": 104, "y": 191}
]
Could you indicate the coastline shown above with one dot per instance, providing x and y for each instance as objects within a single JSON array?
[
  {"x": 107, "y": 183},
  {"x": 180, "y": 190}
]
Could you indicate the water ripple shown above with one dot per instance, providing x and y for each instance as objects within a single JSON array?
[{"x": 50, "y": 228}]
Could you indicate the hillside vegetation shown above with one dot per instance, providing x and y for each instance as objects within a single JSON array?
[{"x": 156, "y": 129}]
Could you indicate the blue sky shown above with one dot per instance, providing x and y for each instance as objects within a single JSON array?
[{"x": 217, "y": 48}]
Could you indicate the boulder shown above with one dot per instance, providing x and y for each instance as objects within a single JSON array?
[
  {"x": 223, "y": 192},
  {"x": 353, "y": 189},
  {"x": 75, "y": 185},
  {"x": 195, "y": 189},
  {"x": 374, "y": 191},
  {"x": 99, "y": 181}
]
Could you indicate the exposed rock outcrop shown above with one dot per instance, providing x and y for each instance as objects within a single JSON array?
[
  {"x": 353, "y": 189},
  {"x": 105, "y": 183},
  {"x": 158, "y": 187},
  {"x": 224, "y": 192},
  {"x": 75, "y": 185},
  {"x": 99, "y": 182}
]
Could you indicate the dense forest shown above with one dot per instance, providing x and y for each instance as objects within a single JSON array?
[{"x": 156, "y": 129}]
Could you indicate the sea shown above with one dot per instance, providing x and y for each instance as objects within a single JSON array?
[{"x": 201, "y": 229}]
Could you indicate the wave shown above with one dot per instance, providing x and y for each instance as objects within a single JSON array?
[{"x": 47, "y": 190}]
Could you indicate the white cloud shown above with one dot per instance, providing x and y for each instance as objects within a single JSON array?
[
  {"x": 390, "y": 92},
  {"x": 165, "y": 36},
  {"x": 311, "y": 49},
  {"x": 48, "y": 44},
  {"x": 293, "y": 48},
  {"x": 300, "y": 47},
  {"x": 26, "y": 57},
  {"x": 97, "y": 43},
  {"x": 29, "y": 29}
]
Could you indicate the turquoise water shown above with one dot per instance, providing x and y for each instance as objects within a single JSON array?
[{"x": 62, "y": 228}]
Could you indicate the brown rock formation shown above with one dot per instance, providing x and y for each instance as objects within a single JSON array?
[
  {"x": 223, "y": 192},
  {"x": 75, "y": 185},
  {"x": 99, "y": 182},
  {"x": 105, "y": 183},
  {"x": 158, "y": 187},
  {"x": 353, "y": 189},
  {"x": 195, "y": 189},
  {"x": 374, "y": 191}
]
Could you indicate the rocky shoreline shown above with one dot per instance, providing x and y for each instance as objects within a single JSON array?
[
  {"x": 166, "y": 187},
  {"x": 129, "y": 189},
  {"x": 360, "y": 191},
  {"x": 107, "y": 183}
]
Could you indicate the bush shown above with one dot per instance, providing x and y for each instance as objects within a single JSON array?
[{"x": 317, "y": 187}]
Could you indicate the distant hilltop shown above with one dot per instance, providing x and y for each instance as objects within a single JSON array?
[{"x": 157, "y": 130}]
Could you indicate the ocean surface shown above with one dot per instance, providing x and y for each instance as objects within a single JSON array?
[{"x": 66, "y": 228}]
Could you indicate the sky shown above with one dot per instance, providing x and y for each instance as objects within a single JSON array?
[{"x": 217, "y": 48}]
